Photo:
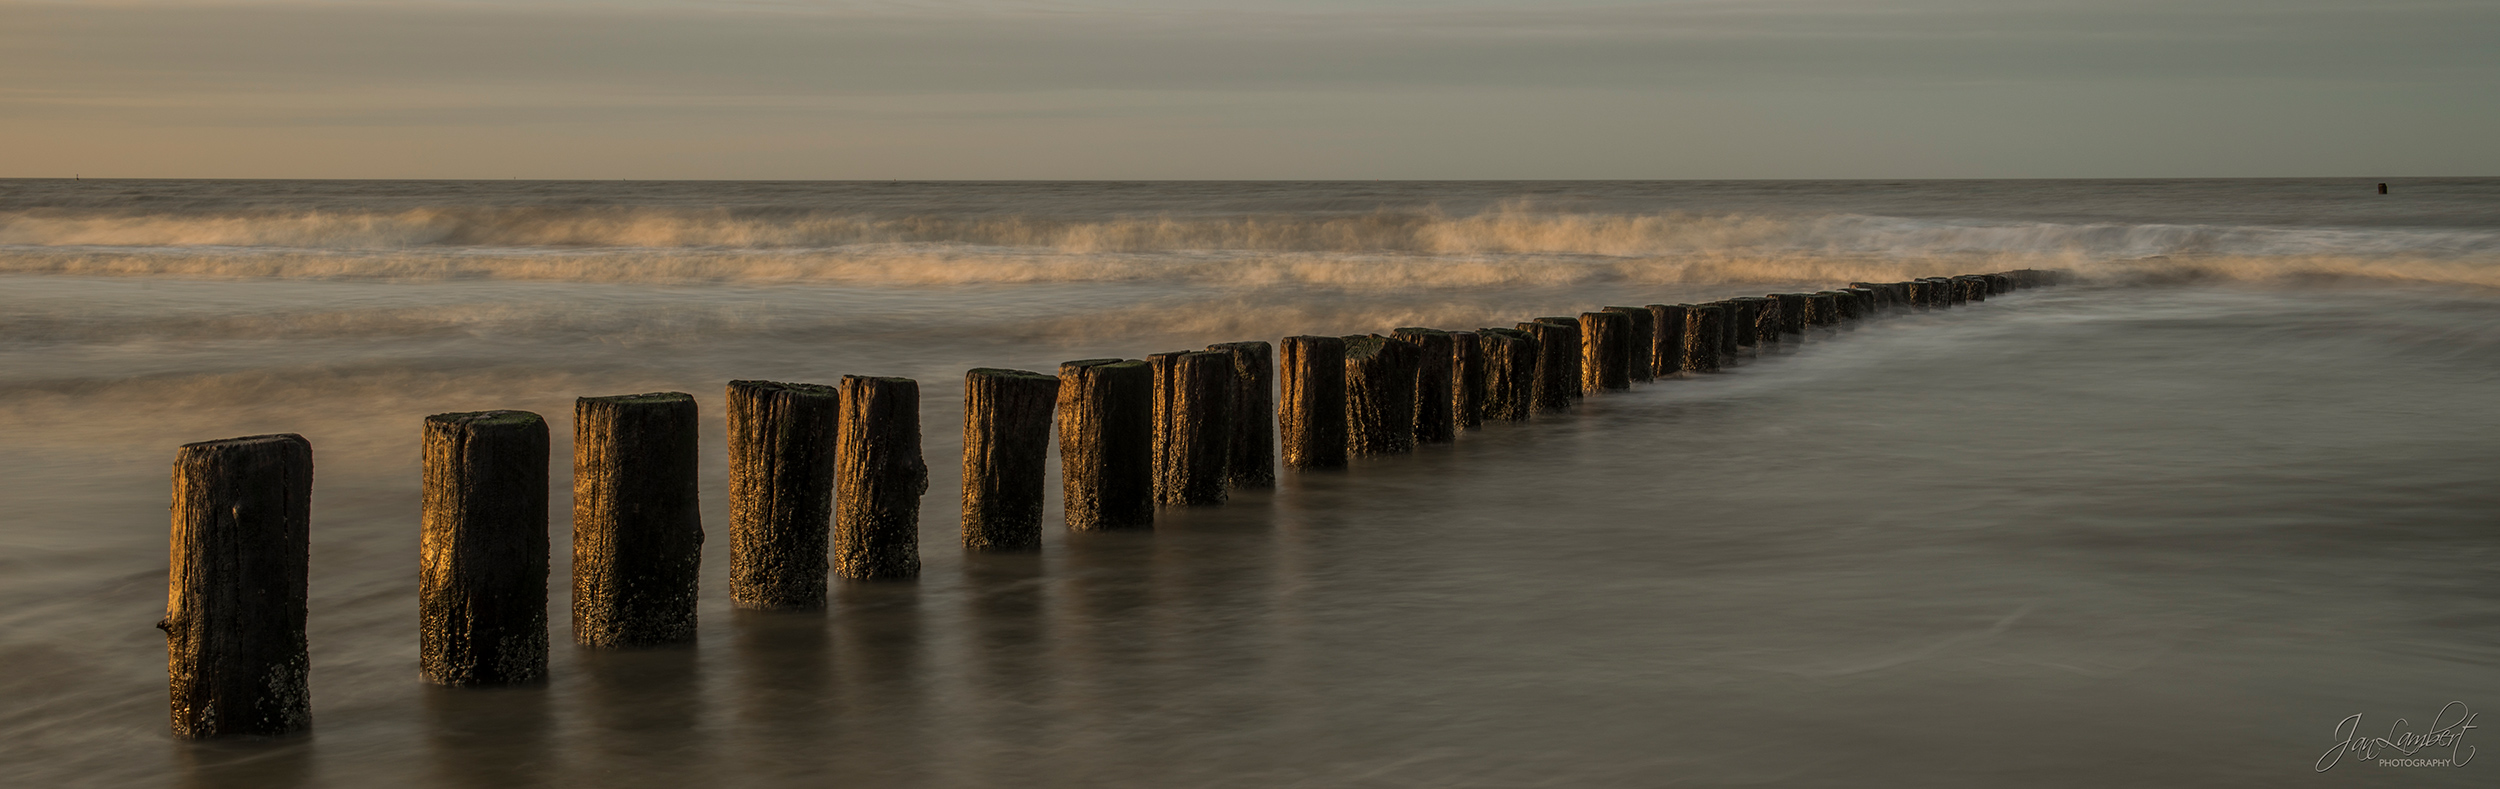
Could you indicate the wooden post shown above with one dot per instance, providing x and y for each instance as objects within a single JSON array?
[
  {"x": 878, "y": 478},
  {"x": 1193, "y": 426},
  {"x": 1605, "y": 340},
  {"x": 637, "y": 526},
  {"x": 1006, "y": 457},
  {"x": 482, "y": 551},
  {"x": 1510, "y": 373},
  {"x": 1974, "y": 287},
  {"x": 1380, "y": 395},
  {"x": 1666, "y": 343},
  {"x": 1435, "y": 378},
  {"x": 1557, "y": 362},
  {"x": 1748, "y": 324},
  {"x": 1636, "y": 347},
  {"x": 1922, "y": 294},
  {"x": 1253, "y": 441},
  {"x": 1827, "y": 309},
  {"x": 1767, "y": 319},
  {"x": 1311, "y": 414},
  {"x": 1726, "y": 335},
  {"x": 1466, "y": 380},
  {"x": 1860, "y": 303},
  {"x": 1875, "y": 297},
  {"x": 1571, "y": 373},
  {"x": 234, "y": 597},
  {"x": 1702, "y": 325},
  {"x": 2382, "y": 188},
  {"x": 781, "y": 438},
  {"x": 1106, "y": 444},
  {"x": 1796, "y": 312}
]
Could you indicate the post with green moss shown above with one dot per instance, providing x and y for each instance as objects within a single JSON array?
[
  {"x": 1466, "y": 380},
  {"x": 1380, "y": 396},
  {"x": 1006, "y": 457},
  {"x": 1510, "y": 373},
  {"x": 1253, "y": 441},
  {"x": 235, "y": 594},
  {"x": 1435, "y": 378},
  {"x": 1636, "y": 347},
  {"x": 482, "y": 550},
  {"x": 1193, "y": 427},
  {"x": 781, "y": 442},
  {"x": 1605, "y": 340},
  {"x": 637, "y": 526},
  {"x": 878, "y": 478},
  {"x": 1310, "y": 416},
  {"x": 1106, "y": 444},
  {"x": 1702, "y": 326},
  {"x": 1666, "y": 340}
]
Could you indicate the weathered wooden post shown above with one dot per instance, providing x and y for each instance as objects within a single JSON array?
[
  {"x": 1767, "y": 320},
  {"x": 1435, "y": 378},
  {"x": 637, "y": 526},
  {"x": 1827, "y": 310},
  {"x": 1727, "y": 332},
  {"x": 1106, "y": 443},
  {"x": 1006, "y": 457},
  {"x": 878, "y": 479},
  {"x": 1861, "y": 303},
  {"x": 1875, "y": 297},
  {"x": 1922, "y": 294},
  {"x": 1605, "y": 340},
  {"x": 482, "y": 567},
  {"x": 1466, "y": 380},
  {"x": 1747, "y": 326},
  {"x": 234, "y": 596},
  {"x": 1666, "y": 341},
  {"x": 1974, "y": 287},
  {"x": 1948, "y": 292},
  {"x": 1702, "y": 327},
  {"x": 1557, "y": 362},
  {"x": 1636, "y": 346},
  {"x": 1510, "y": 373},
  {"x": 1253, "y": 441},
  {"x": 781, "y": 438},
  {"x": 1311, "y": 415},
  {"x": 1193, "y": 427},
  {"x": 1796, "y": 312},
  {"x": 1380, "y": 395}
]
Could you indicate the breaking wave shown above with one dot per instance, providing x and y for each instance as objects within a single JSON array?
[{"x": 1510, "y": 245}]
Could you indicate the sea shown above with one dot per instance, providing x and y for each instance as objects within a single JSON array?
[{"x": 2221, "y": 511}]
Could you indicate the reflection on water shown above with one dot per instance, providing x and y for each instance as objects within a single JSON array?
[
  {"x": 490, "y": 737},
  {"x": 2102, "y": 535},
  {"x": 2005, "y": 540}
]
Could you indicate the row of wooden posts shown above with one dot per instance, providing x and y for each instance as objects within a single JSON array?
[{"x": 826, "y": 480}]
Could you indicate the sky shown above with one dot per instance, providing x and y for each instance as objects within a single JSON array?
[{"x": 1249, "y": 89}]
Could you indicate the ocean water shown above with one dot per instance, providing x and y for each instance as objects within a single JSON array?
[{"x": 2171, "y": 524}]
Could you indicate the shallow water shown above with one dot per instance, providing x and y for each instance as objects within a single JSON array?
[{"x": 2166, "y": 526}]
